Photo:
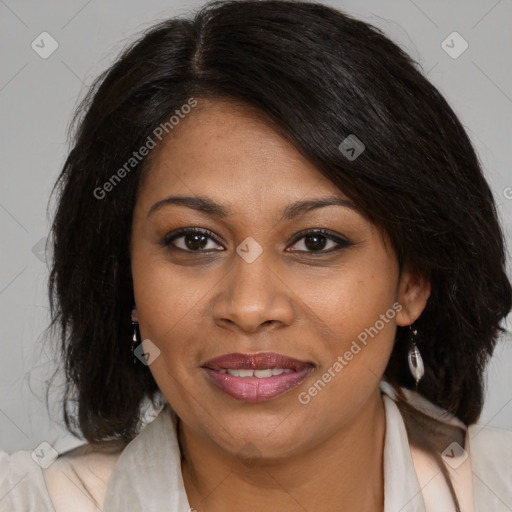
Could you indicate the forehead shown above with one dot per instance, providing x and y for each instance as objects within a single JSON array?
[{"x": 231, "y": 151}]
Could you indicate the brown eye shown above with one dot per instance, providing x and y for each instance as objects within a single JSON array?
[
  {"x": 319, "y": 241},
  {"x": 192, "y": 240},
  {"x": 195, "y": 241},
  {"x": 316, "y": 242}
]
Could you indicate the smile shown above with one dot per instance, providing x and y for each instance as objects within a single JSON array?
[{"x": 256, "y": 377}]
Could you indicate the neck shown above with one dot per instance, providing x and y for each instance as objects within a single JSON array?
[{"x": 344, "y": 472}]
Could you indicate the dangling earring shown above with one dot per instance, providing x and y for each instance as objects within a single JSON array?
[
  {"x": 135, "y": 334},
  {"x": 416, "y": 365}
]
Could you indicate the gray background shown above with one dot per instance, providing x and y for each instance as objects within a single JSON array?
[{"x": 37, "y": 97}]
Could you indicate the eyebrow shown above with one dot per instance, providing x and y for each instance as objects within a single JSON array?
[{"x": 210, "y": 207}]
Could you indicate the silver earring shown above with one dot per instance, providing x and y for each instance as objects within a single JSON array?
[
  {"x": 135, "y": 334},
  {"x": 416, "y": 366}
]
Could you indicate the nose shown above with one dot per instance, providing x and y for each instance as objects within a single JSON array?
[{"x": 252, "y": 297}]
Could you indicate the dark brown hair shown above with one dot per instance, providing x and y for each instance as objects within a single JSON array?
[{"x": 320, "y": 76}]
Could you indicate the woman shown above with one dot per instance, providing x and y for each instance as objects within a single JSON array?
[{"x": 271, "y": 222}]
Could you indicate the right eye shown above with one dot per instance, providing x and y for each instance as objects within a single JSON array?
[{"x": 191, "y": 240}]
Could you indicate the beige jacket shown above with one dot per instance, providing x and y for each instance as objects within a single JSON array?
[{"x": 146, "y": 475}]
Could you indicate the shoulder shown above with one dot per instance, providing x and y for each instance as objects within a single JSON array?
[
  {"x": 22, "y": 485},
  {"x": 491, "y": 458},
  {"x": 78, "y": 479}
]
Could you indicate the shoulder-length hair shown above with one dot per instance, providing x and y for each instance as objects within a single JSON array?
[{"x": 319, "y": 76}]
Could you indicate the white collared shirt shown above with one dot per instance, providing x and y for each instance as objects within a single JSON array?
[{"x": 147, "y": 474}]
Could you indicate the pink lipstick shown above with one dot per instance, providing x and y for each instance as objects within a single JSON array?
[{"x": 256, "y": 377}]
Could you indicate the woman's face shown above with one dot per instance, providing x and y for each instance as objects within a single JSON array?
[{"x": 255, "y": 285}]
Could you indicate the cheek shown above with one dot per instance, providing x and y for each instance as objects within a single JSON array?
[
  {"x": 167, "y": 296},
  {"x": 356, "y": 315},
  {"x": 171, "y": 304},
  {"x": 351, "y": 299},
  {"x": 166, "y": 309},
  {"x": 363, "y": 302},
  {"x": 160, "y": 306}
]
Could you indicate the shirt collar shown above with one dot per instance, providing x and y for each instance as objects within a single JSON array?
[
  {"x": 147, "y": 475},
  {"x": 402, "y": 490}
]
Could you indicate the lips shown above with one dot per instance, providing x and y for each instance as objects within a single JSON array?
[
  {"x": 256, "y": 377},
  {"x": 259, "y": 361}
]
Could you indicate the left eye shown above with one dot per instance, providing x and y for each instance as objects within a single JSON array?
[{"x": 319, "y": 241}]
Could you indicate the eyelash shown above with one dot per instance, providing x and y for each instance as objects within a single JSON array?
[{"x": 168, "y": 239}]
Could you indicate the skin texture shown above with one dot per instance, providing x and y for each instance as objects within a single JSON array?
[{"x": 279, "y": 454}]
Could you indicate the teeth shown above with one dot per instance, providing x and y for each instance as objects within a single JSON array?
[
  {"x": 244, "y": 373},
  {"x": 260, "y": 374}
]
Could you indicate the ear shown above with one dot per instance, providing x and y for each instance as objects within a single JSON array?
[{"x": 413, "y": 293}]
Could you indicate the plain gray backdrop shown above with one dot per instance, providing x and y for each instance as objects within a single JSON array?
[{"x": 37, "y": 98}]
